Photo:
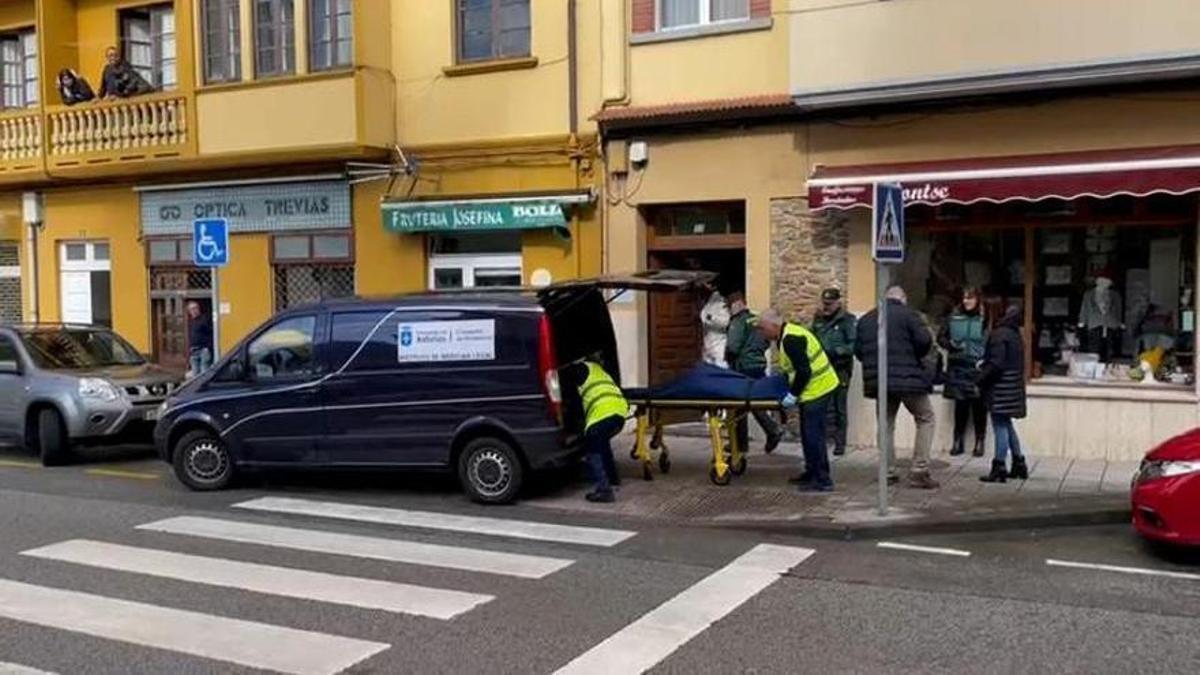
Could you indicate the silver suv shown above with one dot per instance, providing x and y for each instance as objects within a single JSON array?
[{"x": 67, "y": 385}]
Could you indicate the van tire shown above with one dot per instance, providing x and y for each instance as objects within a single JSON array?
[
  {"x": 202, "y": 462},
  {"x": 51, "y": 442},
  {"x": 490, "y": 471}
]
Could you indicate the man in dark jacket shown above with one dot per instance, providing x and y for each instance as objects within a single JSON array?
[
  {"x": 909, "y": 381},
  {"x": 746, "y": 353},
  {"x": 120, "y": 79},
  {"x": 200, "y": 340},
  {"x": 837, "y": 330},
  {"x": 1002, "y": 382}
]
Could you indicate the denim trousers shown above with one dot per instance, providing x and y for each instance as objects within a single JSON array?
[
  {"x": 597, "y": 443},
  {"x": 1006, "y": 437},
  {"x": 199, "y": 361}
]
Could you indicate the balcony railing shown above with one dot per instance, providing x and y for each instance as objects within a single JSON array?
[
  {"x": 20, "y": 136},
  {"x": 143, "y": 123}
]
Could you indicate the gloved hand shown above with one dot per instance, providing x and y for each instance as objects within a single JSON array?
[{"x": 789, "y": 401}]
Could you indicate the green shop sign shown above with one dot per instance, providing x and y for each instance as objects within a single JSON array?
[{"x": 474, "y": 216}]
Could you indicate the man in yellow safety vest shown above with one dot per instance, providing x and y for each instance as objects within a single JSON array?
[
  {"x": 604, "y": 410},
  {"x": 811, "y": 382}
]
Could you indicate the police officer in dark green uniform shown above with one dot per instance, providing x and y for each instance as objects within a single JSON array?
[
  {"x": 837, "y": 329},
  {"x": 746, "y": 353}
]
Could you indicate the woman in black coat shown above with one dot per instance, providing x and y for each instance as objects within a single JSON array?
[
  {"x": 1002, "y": 382},
  {"x": 963, "y": 337}
]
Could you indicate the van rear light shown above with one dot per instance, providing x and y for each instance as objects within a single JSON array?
[{"x": 548, "y": 368}]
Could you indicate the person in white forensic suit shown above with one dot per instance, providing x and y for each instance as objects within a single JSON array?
[{"x": 714, "y": 322}]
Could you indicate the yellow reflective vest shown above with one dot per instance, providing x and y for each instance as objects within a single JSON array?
[
  {"x": 602, "y": 398},
  {"x": 823, "y": 379}
]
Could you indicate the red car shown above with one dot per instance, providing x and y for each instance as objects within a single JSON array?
[{"x": 1166, "y": 492}]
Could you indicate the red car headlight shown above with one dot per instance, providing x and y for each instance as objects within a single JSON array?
[{"x": 1154, "y": 469}]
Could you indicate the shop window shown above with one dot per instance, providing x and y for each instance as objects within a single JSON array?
[
  {"x": 705, "y": 219},
  {"x": 331, "y": 34},
  {"x": 1134, "y": 325},
  {"x": 18, "y": 69},
  {"x": 492, "y": 29},
  {"x": 491, "y": 259},
  {"x": 309, "y": 268},
  {"x": 686, "y": 13},
  {"x": 148, "y": 43},
  {"x": 274, "y": 38},
  {"x": 222, "y": 27}
]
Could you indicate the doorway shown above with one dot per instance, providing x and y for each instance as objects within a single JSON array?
[
  {"x": 707, "y": 236},
  {"x": 85, "y": 281}
]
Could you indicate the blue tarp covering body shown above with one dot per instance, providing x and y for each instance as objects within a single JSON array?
[{"x": 707, "y": 382}]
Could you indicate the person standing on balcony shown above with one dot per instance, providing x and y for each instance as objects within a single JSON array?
[
  {"x": 120, "y": 79},
  {"x": 73, "y": 88}
]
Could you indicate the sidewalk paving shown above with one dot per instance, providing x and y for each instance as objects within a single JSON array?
[{"x": 1059, "y": 492}]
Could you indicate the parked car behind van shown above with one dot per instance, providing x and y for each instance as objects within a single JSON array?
[
  {"x": 65, "y": 385},
  {"x": 450, "y": 381}
]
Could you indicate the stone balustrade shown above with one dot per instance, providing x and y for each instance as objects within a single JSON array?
[
  {"x": 158, "y": 120},
  {"x": 20, "y": 135}
]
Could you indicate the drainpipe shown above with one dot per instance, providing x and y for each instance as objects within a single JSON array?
[
  {"x": 573, "y": 66},
  {"x": 32, "y": 208}
]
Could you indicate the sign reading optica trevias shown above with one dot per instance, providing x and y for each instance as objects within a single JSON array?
[
  {"x": 473, "y": 216},
  {"x": 440, "y": 341}
]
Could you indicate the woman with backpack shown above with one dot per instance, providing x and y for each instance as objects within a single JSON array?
[{"x": 1002, "y": 382}]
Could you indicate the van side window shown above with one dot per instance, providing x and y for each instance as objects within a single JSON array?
[
  {"x": 349, "y": 331},
  {"x": 285, "y": 350}
]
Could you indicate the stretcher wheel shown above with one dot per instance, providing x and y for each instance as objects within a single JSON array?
[
  {"x": 654, "y": 444},
  {"x": 664, "y": 463},
  {"x": 719, "y": 480},
  {"x": 633, "y": 454},
  {"x": 738, "y": 468},
  {"x": 647, "y": 474}
]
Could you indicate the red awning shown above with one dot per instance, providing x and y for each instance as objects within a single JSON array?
[{"x": 1108, "y": 173}]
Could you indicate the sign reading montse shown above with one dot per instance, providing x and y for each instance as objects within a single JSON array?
[
  {"x": 887, "y": 224},
  {"x": 473, "y": 216}
]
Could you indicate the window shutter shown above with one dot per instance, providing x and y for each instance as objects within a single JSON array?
[
  {"x": 642, "y": 19},
  {"x": 760, "y": 9}
]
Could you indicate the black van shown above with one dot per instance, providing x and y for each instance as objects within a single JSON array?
[{"x": 449, "y": 381}]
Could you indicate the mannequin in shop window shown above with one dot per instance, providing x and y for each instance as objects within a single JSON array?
[{"x": 1100, "y": 318}]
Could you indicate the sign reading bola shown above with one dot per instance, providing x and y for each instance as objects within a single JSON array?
[
  {"x": 440, "y": 341},
  {"x": 473, "y": 216}
]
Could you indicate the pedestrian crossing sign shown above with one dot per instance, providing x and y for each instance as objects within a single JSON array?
[{"x": 887, "y": 224}]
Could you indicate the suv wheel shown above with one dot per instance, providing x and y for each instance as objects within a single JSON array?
[
  {"x": 51, "y": 441},
  {"x": 202, "y": 462},
  {"x": 490, "y": 471}
]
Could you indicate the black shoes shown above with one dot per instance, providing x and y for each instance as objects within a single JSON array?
[
  {"x": 998, "y": 475},
  {"x": 773, "y": 442},
  {"x": 801, "y": 479},
  {"x": 1020, "y": 470},
  {"x": 978, "y": 451},
  {"x": 839, "y": 451},
  {"x": 597, "y": 497},
  {"x": 958, "y": 448}
]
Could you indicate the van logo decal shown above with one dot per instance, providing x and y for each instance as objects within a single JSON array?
[{"x": 406, "y": 336}]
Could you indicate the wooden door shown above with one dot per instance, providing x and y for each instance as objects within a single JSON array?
[
  {"x": 675, "y": 340},
  {"x": 170, "y": 331}
]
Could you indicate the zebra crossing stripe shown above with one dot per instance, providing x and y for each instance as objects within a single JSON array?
[
  {"x": 245, "y": 643},
  {"x": 333, "y": 543},
  {"x": 430, "y": 520},
  {"x": 642, "y": 644},
  {"x": 283, "y": 581},
  {"x": 17, "y": 669}
]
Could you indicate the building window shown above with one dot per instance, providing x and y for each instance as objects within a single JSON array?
[
  {"x": 85, "y": 275},
  {"x": 312, "y": 267},
  {"x": 479, "y": 260},
  {"x": 19, "y": 69},
  {"x": 148, "y": 43},
  {"x": 222, "y": 41},
  {"x": 10, "y": 282},
  {"x": 687, "y": 13},
  {"x": 1055, "y": 259},
  {"x": 274, "y": 38},
  {"x": 331, "y": 34},
  {"x": 493, "y": 29}
]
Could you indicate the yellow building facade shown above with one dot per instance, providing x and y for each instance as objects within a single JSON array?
[{"x": 307, "y": 125}]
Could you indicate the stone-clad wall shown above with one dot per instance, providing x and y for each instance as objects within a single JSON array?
[{"x": 808, "y": 254}]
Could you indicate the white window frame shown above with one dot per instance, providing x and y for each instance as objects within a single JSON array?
[
  {"x": 472, "y": 263},
  {"x": 26, "y": 63},
  {"x": 705, "y": 17},
  {"x": 89, "y": 262},
  {"x": 161, "y": 43}
]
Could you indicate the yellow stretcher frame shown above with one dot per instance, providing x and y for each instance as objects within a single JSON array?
[{"x": 722, "y": 417}]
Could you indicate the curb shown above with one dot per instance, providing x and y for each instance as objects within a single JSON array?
[{"x": 849, "y": 532}]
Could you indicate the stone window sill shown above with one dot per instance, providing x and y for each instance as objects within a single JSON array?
[
  {"x": 493, "y": 66},
  {"x": 694, "y": 32}
]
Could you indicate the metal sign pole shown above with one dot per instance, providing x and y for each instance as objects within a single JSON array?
[
  {"x": 885, "y": 437},
  {"x": 216, "y": 313}
]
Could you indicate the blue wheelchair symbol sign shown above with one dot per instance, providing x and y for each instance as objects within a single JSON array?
[{"x": 210, "y": 242}]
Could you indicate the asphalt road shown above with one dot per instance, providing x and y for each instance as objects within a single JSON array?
[{"x": 112, "y": 567}]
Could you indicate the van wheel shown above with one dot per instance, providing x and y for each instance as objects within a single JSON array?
[
  {"x": 490, "y": 471},
  {"x": 202, "y": 462},
  {"x": 51, "y": 442}
]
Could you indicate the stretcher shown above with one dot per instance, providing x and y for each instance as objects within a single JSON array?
[
  {"x": 724, "y": 398},
  {"x": 721, "y": 416}
]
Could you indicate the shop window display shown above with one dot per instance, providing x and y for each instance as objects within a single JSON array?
[{"x": 1107, "y": 285}]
